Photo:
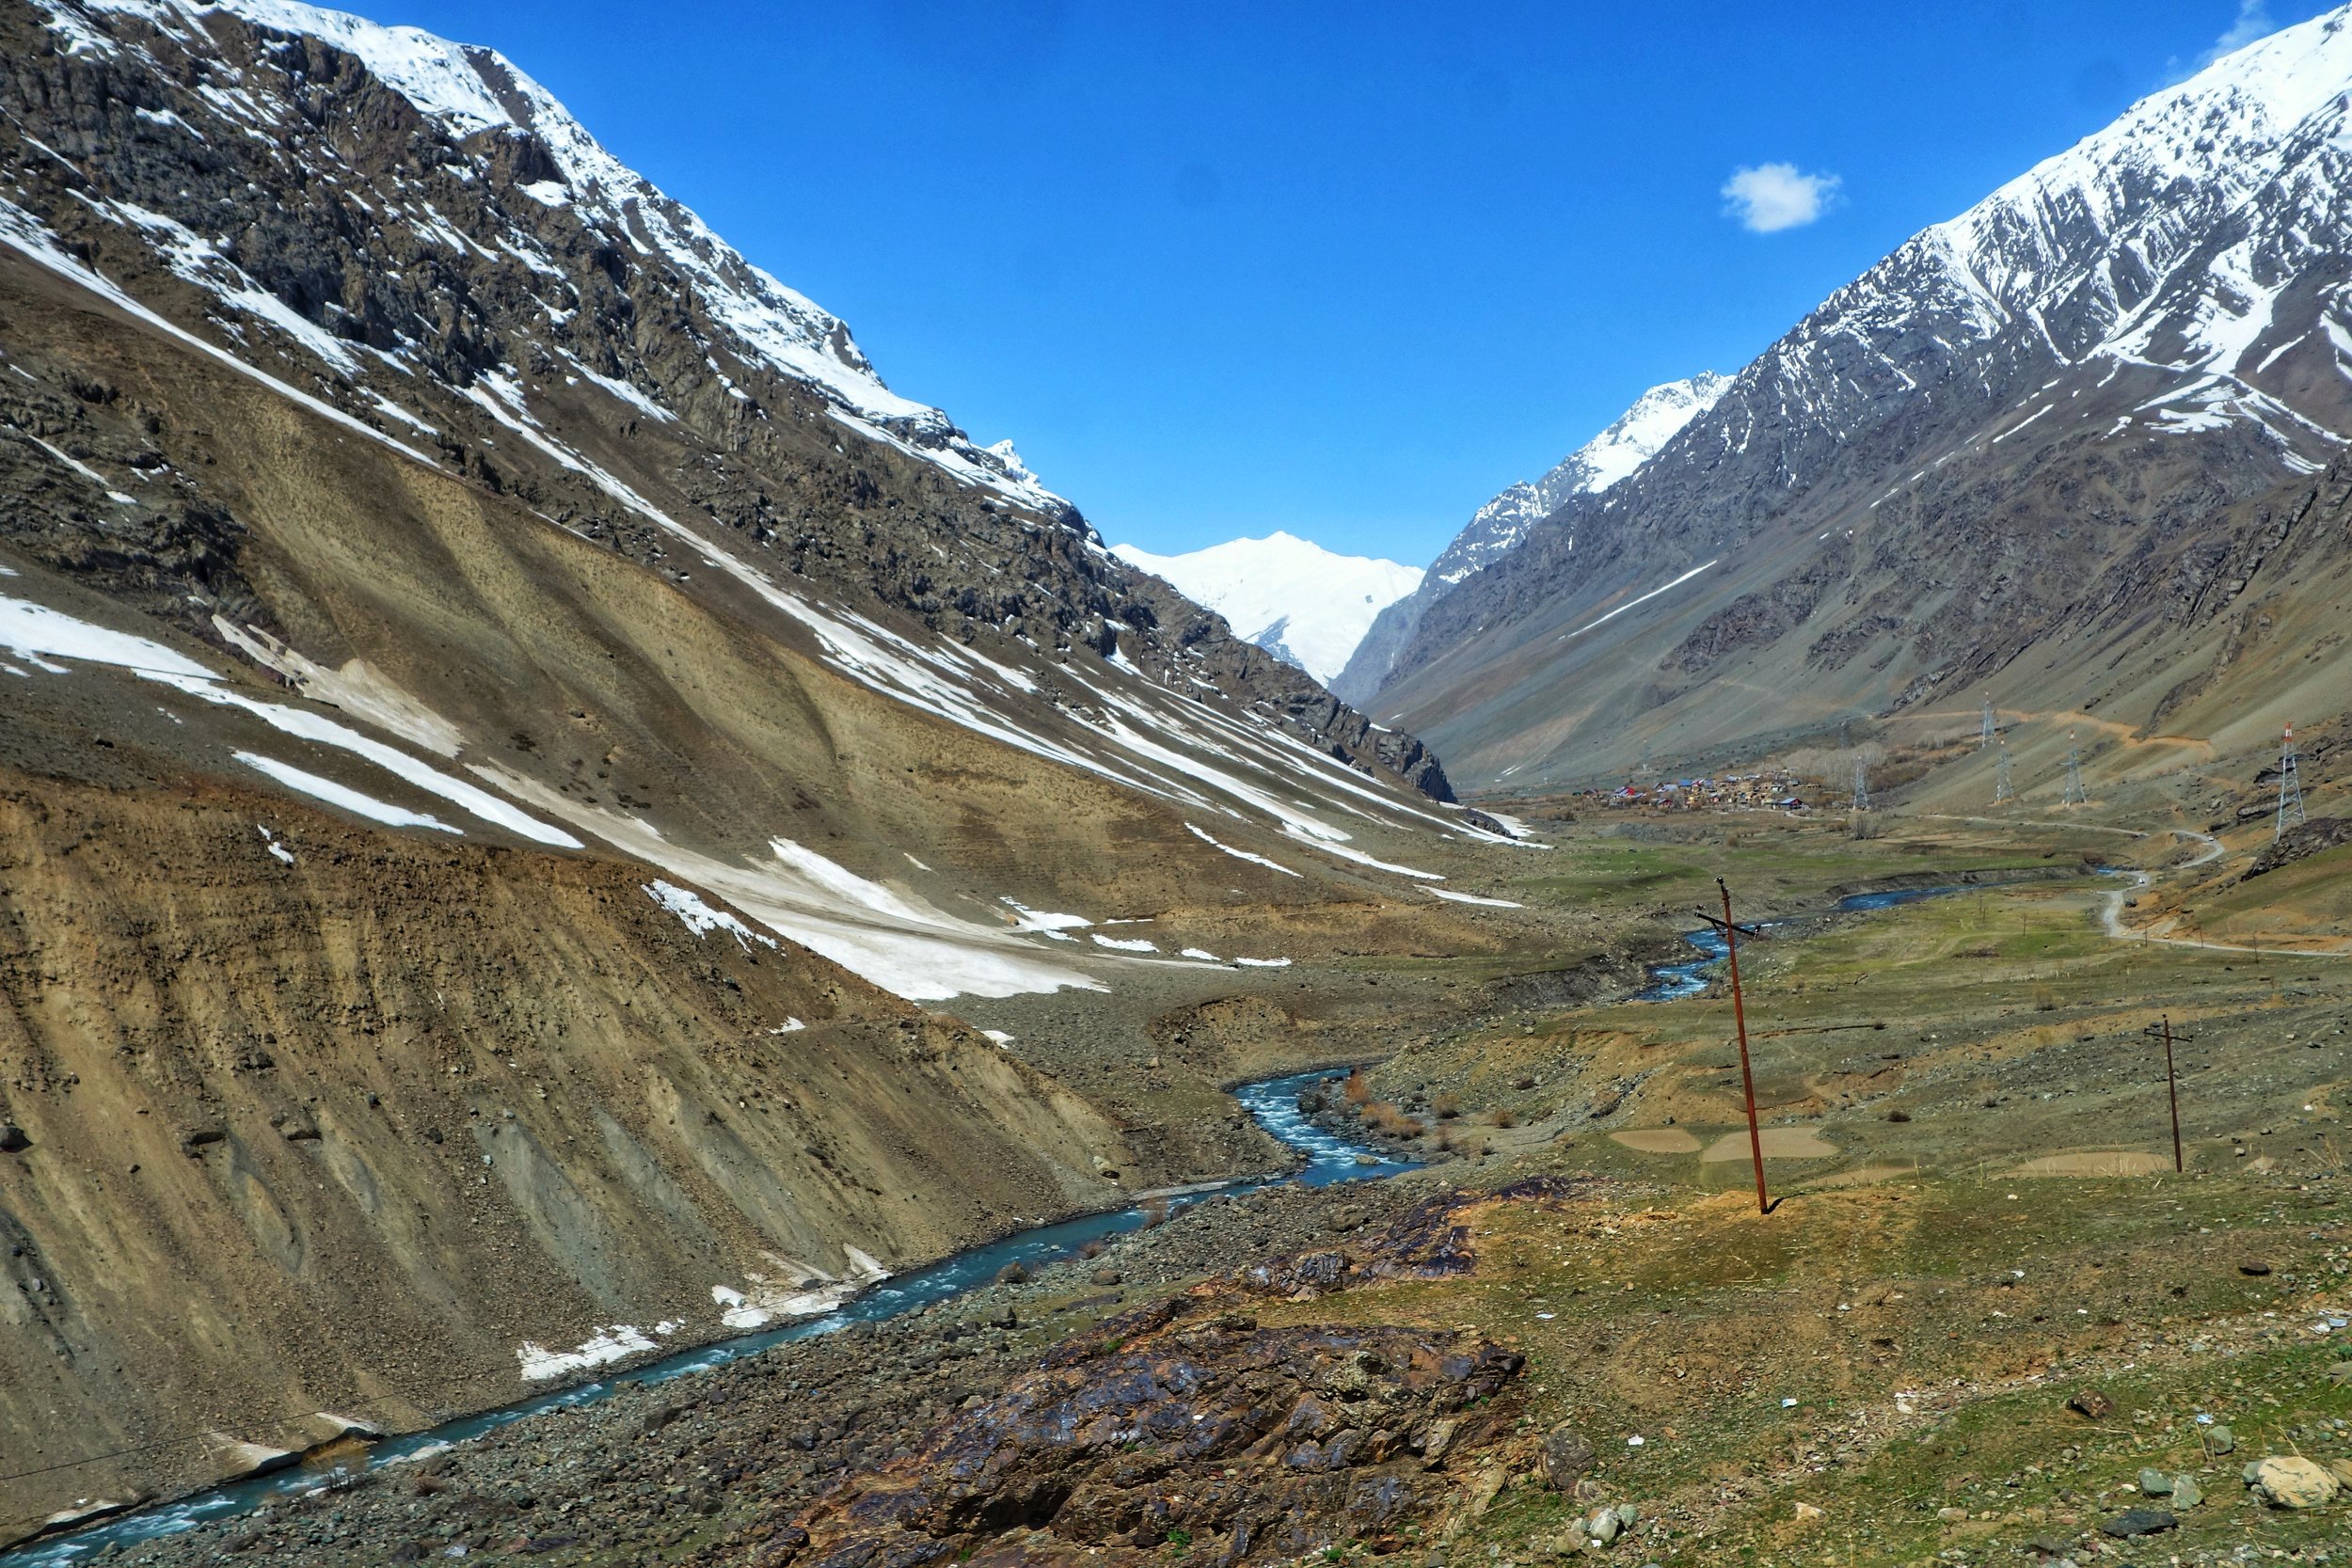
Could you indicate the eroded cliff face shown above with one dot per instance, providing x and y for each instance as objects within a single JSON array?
[{"x": 312, "y": 1119}]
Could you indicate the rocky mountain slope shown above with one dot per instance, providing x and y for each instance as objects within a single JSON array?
[
  {"x": 1632, "y": 439},
  {"x": 2041, "y": 445},
  {"x": 509, "y": 730},
  {"x": 1304, "y": 605}
]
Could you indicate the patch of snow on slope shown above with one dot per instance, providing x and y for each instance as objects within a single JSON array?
[
  {"x": 34, "y": 629},
  {"x": 1045, "y": 921},
  {"x": 340, "y": 796},
  {"x": 618, "y": 1342},
  {"x": 1239, "y": 854},
  {"x": 700, "y": 918},
  {"x": 1472, "y": 898},
  {"x": 1314, "y": 603},
  {"x": 889, "y": 939},
  {"x": 1631, "y": 603},
  {"x": 1347, "y": 853}
]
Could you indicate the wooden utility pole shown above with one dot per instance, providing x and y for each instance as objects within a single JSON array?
[
  {"x": 1739, "y": 1020},
  {"x": 2162, "y": 1029}
]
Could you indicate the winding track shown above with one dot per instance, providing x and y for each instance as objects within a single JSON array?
[{"x": 2111, "y": 917}]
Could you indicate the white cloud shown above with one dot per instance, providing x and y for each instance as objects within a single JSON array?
[
  {"x": 1772, "y": 197},
  {"x": 2253, "y": 21}
]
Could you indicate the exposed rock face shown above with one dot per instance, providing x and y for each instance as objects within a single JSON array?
[
  {"x": 2304, "y": 838},
  {"x": 1188, "y": 1424},
  {"x": 2094, "y": 401},
  {"x": 1124, "y": 1443}
]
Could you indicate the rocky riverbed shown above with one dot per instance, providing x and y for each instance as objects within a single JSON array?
[{"x": 1074, "y": 1371}]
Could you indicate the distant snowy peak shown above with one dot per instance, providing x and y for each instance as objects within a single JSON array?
[
  {"x": 1291, "y": 596},
  {"x": 1633, "y": 439},
  {"x": 1655, "y": 419},
  {"x": 470, "y": 92}
]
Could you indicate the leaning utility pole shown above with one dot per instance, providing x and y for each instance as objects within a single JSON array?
[
  {"x": 2001, "y": 790},
  {"x": 1740, "y": 1018},
  {"x": 2075, "y": 795},
  {"x": 1989, "y": 725},
  {"x": 2290, "y": 789},
  {"x": 2162, "y": 1029}
]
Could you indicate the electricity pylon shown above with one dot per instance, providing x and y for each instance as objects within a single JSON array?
[
  {"x": 2001, "y": 790},
  {"x": 1990, "y": 725},
  {"x": 1861, "y": 786},
  {"x": 2290, "y": 789},
  {"x": 2074, "y": 796}
]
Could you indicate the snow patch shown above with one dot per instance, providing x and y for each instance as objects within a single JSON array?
[
  {"x": 607, "y": 1345},
  {"x": 701, "y": 919},
  {"x": 341, "y": 797}
]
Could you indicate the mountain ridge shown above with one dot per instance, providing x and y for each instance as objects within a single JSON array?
[
  {"x": 2133, "y": 337},
  {"x": 1609, "y": 458}
]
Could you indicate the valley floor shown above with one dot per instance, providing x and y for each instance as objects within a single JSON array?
[{"x": 1984, "y": 1319}]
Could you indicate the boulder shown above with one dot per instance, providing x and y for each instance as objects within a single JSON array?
[
  {"x": 2139, "y": 1521},
  {"x": 2220, "y": 1440},
  {"x": 2155, "y": 1484},
  {"x": 2284, "y": 1480},
  {"x": 2091, "y": 1405},
  {"x": 2185, "y": 1492},
  {"x": 1567, "y": 1457},
  {"x": 12, "y": 1138}
]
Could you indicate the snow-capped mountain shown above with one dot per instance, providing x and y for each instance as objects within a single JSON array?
[
  {"x": 1301, "y": 602},
  {"x": 1630, "y": 440},
  {"x": 1991, "y": 436},
  {"x": 514, "y": 737}
]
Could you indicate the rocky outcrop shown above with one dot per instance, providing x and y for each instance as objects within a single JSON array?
[
  {"x": 2303, "y": 839},
  {"x": 1190, "y": 1426}
]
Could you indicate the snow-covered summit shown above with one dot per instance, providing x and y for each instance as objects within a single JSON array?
[
  {"x": 471, "y": 91},
  {"x": 1630, "y": 440},
  {"x": 1289, "y": 596}
]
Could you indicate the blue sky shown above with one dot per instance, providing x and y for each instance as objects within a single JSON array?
[{"x": 1345, "y": 269}]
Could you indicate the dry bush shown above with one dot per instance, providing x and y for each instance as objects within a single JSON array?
[
  {"x": 1503, "y": 1118},
  {"x": 1155, "y": 1213},
  {"x": 1356, "y": 1091},
  {"x": 2044, "y": 1000},
  {"x": 1388, "y": 1121},
  {"x": 1448, "y": 1106}
]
